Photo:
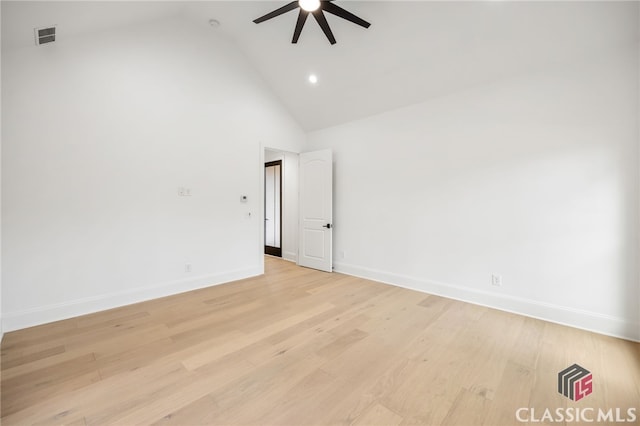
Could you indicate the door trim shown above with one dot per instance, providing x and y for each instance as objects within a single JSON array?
[{"x": 272, "y": 251}]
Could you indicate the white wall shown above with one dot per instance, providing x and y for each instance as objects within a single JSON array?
[
  {"x": 638, "y": 172},
  {"x": 99, "y": 133},
  {"x": 1, "y": 328},
  {"x": 289, "y": 201},
  {"x": 535, "y": 179}
]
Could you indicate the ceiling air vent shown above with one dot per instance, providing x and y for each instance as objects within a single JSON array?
[{"x": 45, "y": 35}]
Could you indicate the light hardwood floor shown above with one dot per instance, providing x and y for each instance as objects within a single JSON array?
[{"x": 301, "y": 347}]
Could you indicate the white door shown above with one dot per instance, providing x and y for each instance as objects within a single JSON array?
[{"x": 316, "y": 210}]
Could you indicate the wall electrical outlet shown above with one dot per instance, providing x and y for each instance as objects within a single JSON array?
[
  {"x": 496, "y": 280},
  {"x": 187, "y": 267}
]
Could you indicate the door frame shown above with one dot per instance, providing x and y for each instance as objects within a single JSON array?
[
  {"x": 272, "y": 251},
  {"x": 289, "y": 250}
]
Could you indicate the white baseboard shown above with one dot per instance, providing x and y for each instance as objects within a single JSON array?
[
  {"x": 290, "y": 256},
  {"x": 590, "y": 321},
  {"x": 598, "y": 323},
  {"x": 45, "y": 314}
]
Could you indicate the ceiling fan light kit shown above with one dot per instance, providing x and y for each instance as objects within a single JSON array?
[
  {"x": 317, "y": 9},
  {"x": 309, "y": 5}
]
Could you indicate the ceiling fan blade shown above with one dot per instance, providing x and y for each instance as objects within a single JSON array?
[
  {"x": 284, "y": 9},
  {"x": 322, "y": 21},
  {"x": 302, "y": 18},
  {"x": 338, "y": 11}
]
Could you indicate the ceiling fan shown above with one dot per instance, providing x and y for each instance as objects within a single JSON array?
[{"x": 316, "y": 8}]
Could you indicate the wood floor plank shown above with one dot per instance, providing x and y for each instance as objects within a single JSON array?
[
  {"x": 302, "y": 347},
  {"x": 132, "y": 358},
  {"x": 378, "y": 415},
  {"x": 468, "y": 409},
  {"x": 48, "y": 376},
  {"x": 10, "y": 361},
  {"x": 119, "y": 389},
  {"x": 510, "y": 397},
  {"x": 195, "y": 413},
  {"x": 219, "y": 351},
  {"x": 16, "y": 402},
  {"x": 157, "y": 405},
  {"x": 259, "y": 390}
]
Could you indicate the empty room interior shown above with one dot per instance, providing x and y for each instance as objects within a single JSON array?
[{"x": 320, "y": 212}]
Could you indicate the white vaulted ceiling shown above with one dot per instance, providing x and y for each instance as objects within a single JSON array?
[{"x": 413, "y": 51}]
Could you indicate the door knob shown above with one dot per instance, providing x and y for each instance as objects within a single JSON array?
[{"x": 328, "y": 226}]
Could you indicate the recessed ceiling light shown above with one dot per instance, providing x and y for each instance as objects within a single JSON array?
[
  {"x": 214, "y": 23},
  {"x": 309, "y": 5},
  {"x": 313, "y": 79}
]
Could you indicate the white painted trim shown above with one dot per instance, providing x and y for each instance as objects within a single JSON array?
[
  {"x": 45, "y": 314},
  {"x": 590, "y": 321},
  {"x": 290, "y": 256},
  {"x": 260, "y": 206}
]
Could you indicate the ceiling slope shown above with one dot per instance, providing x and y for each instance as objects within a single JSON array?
[{"x": 413, "y": 50}]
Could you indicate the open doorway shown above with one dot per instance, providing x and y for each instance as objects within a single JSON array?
[
  {"x": 288, "y": 202},
  {"x": 273, "y": 208}
]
